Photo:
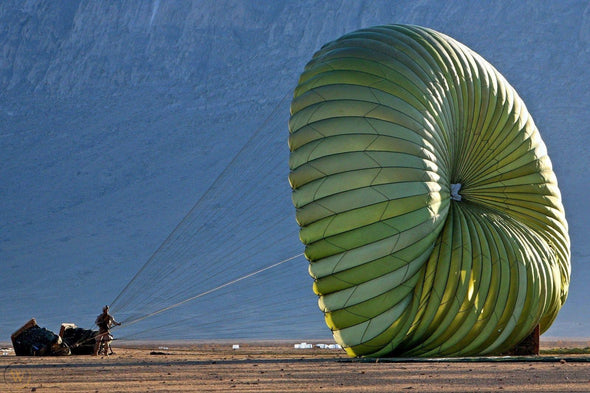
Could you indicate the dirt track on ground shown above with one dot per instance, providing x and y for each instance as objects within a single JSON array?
[{"x": 272, "y": 368}]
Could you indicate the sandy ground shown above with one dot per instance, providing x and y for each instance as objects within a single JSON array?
[{"x": 261, "y": 367}]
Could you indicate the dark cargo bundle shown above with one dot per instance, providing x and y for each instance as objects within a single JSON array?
[
  {"x": 32, "y": 340},
  {"x": 81, "y": 341}
]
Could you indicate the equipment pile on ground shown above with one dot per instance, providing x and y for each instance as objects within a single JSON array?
[{"x": 32, "y": 340}]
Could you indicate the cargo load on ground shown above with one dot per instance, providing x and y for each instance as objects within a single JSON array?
[{"x": 33, "y": 340}]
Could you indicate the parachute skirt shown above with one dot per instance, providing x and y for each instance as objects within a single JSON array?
[{"x": 428, "y": 206}]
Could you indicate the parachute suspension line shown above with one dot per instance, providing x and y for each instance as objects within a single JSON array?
[
  {"x": 209, "y": 291},
  {"x": 176, "y": 231},
  {"x": 229, "y": 256},
  {"x": 231, "y": 315},
  {"x": 235, "y": 311},
  {"x": 225, "y": 266},
  {"x": 241, "y": 222},
  {"x": 231, "y": 249},
  {"x": 179, "y": 252},
  {"x": 282, "y": 303}
]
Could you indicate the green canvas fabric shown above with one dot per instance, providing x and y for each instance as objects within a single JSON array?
[{"x": 383, "y": 121}]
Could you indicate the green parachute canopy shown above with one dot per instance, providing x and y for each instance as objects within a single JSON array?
[{"x": 427, "y": 203}]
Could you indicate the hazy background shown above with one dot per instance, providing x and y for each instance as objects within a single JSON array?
[{"x": 115, "y": 117}]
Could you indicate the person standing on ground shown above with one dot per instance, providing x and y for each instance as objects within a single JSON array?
[{"x": 103, "y": 339}]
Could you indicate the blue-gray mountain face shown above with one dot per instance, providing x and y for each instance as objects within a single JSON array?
[{"x": 115, "y": 117}]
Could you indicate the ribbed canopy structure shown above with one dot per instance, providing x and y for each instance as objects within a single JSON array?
[{"x": 428, "y": 206}]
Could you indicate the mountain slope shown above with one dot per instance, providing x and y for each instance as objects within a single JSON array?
[{"x": 115, "y": 118}]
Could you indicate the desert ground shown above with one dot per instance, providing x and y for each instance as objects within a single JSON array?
[{"x": 279, "y": 367}]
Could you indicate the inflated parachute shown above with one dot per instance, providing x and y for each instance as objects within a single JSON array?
[{"x": 431, "y": 216}]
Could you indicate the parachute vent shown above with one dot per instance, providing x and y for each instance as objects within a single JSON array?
[{"x": 455, "y": 188}]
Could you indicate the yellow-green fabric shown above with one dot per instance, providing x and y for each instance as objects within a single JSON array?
[{"x": 383, "y": 121}]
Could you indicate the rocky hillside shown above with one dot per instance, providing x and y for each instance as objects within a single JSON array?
[{"x": 115, "y": 117}]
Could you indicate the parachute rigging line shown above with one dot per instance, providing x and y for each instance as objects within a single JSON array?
[
  {"x": 180, "y": 237},
  {"x": 196, "y": 205},
  {"x": 209, "y": 291}
]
